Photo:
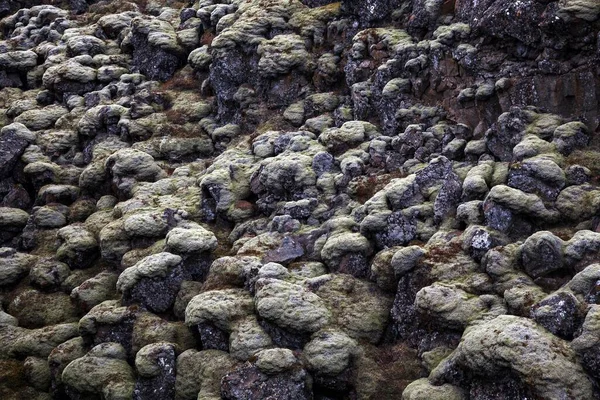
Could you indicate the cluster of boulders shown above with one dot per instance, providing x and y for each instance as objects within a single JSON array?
[{"x": 300, "y": 199}]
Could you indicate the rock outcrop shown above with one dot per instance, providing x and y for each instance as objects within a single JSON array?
[{"x": 300, "y": 199}]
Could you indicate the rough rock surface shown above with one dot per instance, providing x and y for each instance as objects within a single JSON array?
[{"x": 300, "y": 199}]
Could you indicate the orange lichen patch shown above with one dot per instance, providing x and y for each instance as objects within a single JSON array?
[
  {"x": 244, "y": 205},
  {"x": 181, "y": 82},
  {"x": 207, "y": 38},
  {"x": 181, "y": 131},
  {"x": 12, "y": 374},
  {"x": 106, "y": 7},
  {"x": 216, "y": 283},
  {"x": 367, "y": 186},
  {"x": 222, "y": 230},
  {"x": 398, "y": 365},
  {"x": 177, "y": 4},
  {"x": 379, "y": 55},
  {"x": 276, "y": 123},
  {"x": 333, "y": 7},
  {"x": 444, "y": 253},
  {"x": 176, "y": 117},
  {"x": 564, "y": 233},
  {"x": 448, "y": 7},
  {"x": 588, "y": 158}
]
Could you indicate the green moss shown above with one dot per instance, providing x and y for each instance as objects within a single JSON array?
[
  {"x": 588, "y": 158},
  {"x": 447, "y": 34},
  {"x": 543, "y": 125}
]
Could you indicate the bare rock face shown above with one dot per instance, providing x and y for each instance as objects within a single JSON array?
[
  {"x": 156, "y": 52},
  {"x": 156, "y": 366},
  {"x": 300, "y": 199},
  {"x": 372, "y": 10},
  {"x": 152, "y": 282},
  {"x": 12, "y": 146},
  {"x": 251, "y": 383}
]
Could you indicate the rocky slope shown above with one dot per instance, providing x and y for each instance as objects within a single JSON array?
[{"x": 286, "y": 199}]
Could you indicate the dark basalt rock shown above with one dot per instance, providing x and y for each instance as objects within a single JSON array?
[
  {"x": 504, "y": 388},
  {"x": 186, "y": 14},
  {"x": 120, "y": 332},
  {"x": 228, "y": 72},
  {"x": 11, "y": 149},
  {"x": 399, "y": 231},
  {"x": 196, "y": 266},
  {"x": 5, "y": 7},
  {"x": 542, "y": 254},
  {"x": 79, "y": 6},
  {"x": 404, "y": 314},
  {"x": 371, "y": 10},
  {"x": 414, "y": 180},
  {"x": 522, "y": 179},
  {"x": 156, "y": 294},
  {"x": 504, "y": 220},
  {"x": 498, "y": 217},
  {"x": 506, "y": 134},
  {"x": 593, "y": 297},
  {"x": 339, "y": 386},
  {"x": 436, "y": 172},
  {"x": 560, "y": 313},
  {"x": 591, "y": 361},
  {"x": 317, "y": 3},
  {"x": 161, "y": 385},
  {"x": 212, "y": 337},
  {"x": 289, "y": 250},
  {"x": 154, "y": 62},
  {"x": 448, "y": 198},
  {"x": 283, "y": 337},
  {"x": 14, "y": 195},
  {"x": 577, "y": 175},
  {"x": 249, "y": 383},
  {"x": 511, "y": 20},
  {"x": 355, "y": 264}
]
